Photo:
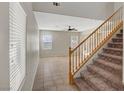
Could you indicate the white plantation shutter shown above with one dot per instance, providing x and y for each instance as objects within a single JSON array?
[{"x": 17, "y": 29}]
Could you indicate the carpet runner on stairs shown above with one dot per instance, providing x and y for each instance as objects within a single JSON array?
[{"x": 105, "y": 74}]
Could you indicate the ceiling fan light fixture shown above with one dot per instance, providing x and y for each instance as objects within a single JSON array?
[
  {"x": 56, "y": 4},
  {"x": 71, "y": 29}
]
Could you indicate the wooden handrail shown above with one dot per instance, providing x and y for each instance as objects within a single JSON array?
[
  {"x": 95, "y": 30},
  {"x": 120, "y": 25},
  {"x": 91, "y": 44}
]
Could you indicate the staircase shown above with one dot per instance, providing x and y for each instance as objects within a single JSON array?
[{"x": 105, "y": 71}]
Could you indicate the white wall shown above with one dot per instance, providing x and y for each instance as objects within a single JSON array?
[
  {"x": 117, "y": 5},
  {"x": 93, "y": 10},
  {"x": 86, "y": 33},
  {"x": 32, "y": 51},
  {"x": 4, "y": 46},
  {"x": 60, "y": 43}
]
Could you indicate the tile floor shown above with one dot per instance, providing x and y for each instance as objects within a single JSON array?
[{"x": 52, "y": 75}]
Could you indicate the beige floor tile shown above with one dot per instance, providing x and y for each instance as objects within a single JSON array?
[
  {"x": 51, "y": 88},
  {"x": 38, "y": 86},
  {"x": 61, "y": 88},
  {"x": 52, "y": 75},
  {"x": 38, "y": 89},
  {"x": 48, "y": 78},
  {"x": 59, "y": 82},
  {"x": 49, "y": 83}
]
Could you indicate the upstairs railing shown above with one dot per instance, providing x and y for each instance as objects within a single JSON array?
[{"x": 89, "y": 46}]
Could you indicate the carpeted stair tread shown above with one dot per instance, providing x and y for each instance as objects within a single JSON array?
[
  {"x": 116, "y": 49},
  {"x": 105, "y": 73},
  {"x": 96, "y": 82},
  {"x": 112, "y": 56},
  {"x": 115, "y": 80},
  {"x": 82, "y": 85},
  {"x": 113, "y": 51},
  {"x": 112, "y": 67},
  {"x": 117, "y": 40},
  {"x": 116, "y": 43},
  {"x": 110, "y": 64},
  {"x": 119, "y": 35}
]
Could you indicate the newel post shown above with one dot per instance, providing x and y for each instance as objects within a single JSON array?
[{"x": 70, "y": 74}]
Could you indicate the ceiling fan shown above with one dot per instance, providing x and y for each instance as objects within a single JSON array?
[
  {"x": 71, "y": 29},
  {"x": 56, "y": 4}
]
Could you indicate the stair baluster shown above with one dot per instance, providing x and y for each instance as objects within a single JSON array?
[{"x": 89, "y": 46}]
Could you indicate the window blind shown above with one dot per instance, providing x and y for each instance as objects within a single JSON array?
[
  {"x": 17, "y": 30},
  {"x": 47, "y": 42},
  {"x": 74, "y": 41}
]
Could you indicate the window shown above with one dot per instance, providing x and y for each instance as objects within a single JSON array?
[
  {"x": 74, "y": 41},
  {"x": 47, "y": 42}
]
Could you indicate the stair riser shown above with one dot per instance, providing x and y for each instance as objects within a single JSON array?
[
  {"x": 110, "y": 59},
  {"x": 120, "y": 46},
  {"x": 117, "y": 40},
  {"x": 95, "y": 72},
  {"x": 121, "y": 31},
  {"x": 108, "y": 80},
  {"x": 110, "y": 69},
  {"x": 90, "y": 83},
  {"x": 119, "y": 35},
  {"x": 113, "y": 52},
  {"x": 82, "y": 85}
]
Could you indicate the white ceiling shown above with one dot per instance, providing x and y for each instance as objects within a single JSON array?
[
  {"x": 92, "y": 10},
  {"x": 48, "y": 21}
]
